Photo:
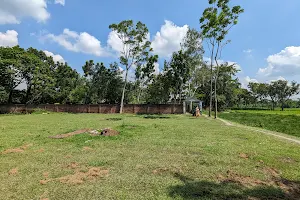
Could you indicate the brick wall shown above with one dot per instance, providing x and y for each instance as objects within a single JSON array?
[{"x": 100, "y": 108}]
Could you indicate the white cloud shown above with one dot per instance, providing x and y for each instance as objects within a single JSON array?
[
  {"x": 9, "y": 39},
  {"x": 248, "y": 51},
  {"x": 62, "y": 2},
  {"x": 78, "y": 42},
  {"x": 246, "y": 80},
  {"x": 156, "y": 68},
  {"x": 12, "y": 11},
  {"x": 168, "y": 39},
  {"x": 114, "y": 42},
  {"x": 56, "y": 57},
  {"x": 237, "y": 66},
  {"x": 285, "y": 63}
]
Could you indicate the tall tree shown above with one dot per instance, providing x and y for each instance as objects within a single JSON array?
[
  {"x": 11, "y": 75},
  {"x": 178, "y": 73},
  {"x": 144, "y": 74},
  {"x": 192, "y": 48},
  {"x": 216, "y": 22},
  {"x": 104, "y": 84},
  {"x": 136, "y": 47},
  {"x": 285, "y": 90}
]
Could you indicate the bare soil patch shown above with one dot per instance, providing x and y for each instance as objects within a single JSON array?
[
  {"x": 20, "y": 149},
  {"x": 287, "y": 160},
  {"x": 109, "y": 132},
  {"x": 87, "y": 149},
  {"x": 243, "y": 155},
  {"x": 13, "y": 171},
  {"x": 79, "y": 176},
  {"x": 61, "y": 136},
  {"x": 40, "y": 150},
  {"x": 46, "y": 174},
  {"x": 232, "y": 177},
  {"x": 104, "y": 132},
  {"x": 291, "y": 188},
  {"x": 73, "y": 165}
]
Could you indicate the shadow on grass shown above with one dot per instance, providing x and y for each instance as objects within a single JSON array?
[
  {"x": 156, "y": 117},
  {"x": 194, "y": 189},
  {"x": 114, "y": 119}
]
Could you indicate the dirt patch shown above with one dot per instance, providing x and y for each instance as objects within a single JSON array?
[
  {"x": 287, "y": 160},
  {"x": 274, "y": 173},
  {"x": 232, "y": 177},
  {"x": 40, "y": 150},
  {"x": 109, "y": 132},
  {"x": 44, "y": 182},
  {"x": 20, "y": 149},
  {"x": 79, "y": 177},
  {"x": 44, "y": 196},
  {"x": 104, "y": 132},
  {"x": 87, "y": 149},
  {"x": 291, "y": 188},
  {"x": 68, "y": 156},
  {"x": 73, "y": 165},
  {"x": 243, "y": 155},
  {"x": 62, "y": 136},
  {"x": 46, "y": 174},
  {"x": 160, "y": 170},
  {"x": 13, "y": 171}
]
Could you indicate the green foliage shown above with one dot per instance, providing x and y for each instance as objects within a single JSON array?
[
  {"x": 277, "y": 92},
  {"x": 136, "y": 49},
  {"x": 3, "y": 95},
  {"x": 158, "y": 92},
  {"x": 103, "y": 84},
  {"x": 216, "y": 22}
]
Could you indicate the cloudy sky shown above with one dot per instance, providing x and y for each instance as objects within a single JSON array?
[{"x": 265, "y": 43}]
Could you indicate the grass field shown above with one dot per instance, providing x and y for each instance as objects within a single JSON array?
[
  {"x": 287, "y": 122},
  {"x": 170, "y": 157},
  {"x": 287, "y": 111}
]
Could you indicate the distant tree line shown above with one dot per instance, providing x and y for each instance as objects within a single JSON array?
[
  {"x": 29, "y": 76},
  {"x": 269, "y": 95}
]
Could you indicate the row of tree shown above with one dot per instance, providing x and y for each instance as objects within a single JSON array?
[
  {"x": 29, "y": 76},
  {"x": 276, "y": 92}
]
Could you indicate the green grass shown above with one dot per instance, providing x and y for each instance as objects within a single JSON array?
[
  {"x": 160, "y": 157},
  {"x": 288, "y": 124},
  {"x": 287, "y": 111}
]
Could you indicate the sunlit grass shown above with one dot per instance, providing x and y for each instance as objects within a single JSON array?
[{"x": 146, "y": 161}]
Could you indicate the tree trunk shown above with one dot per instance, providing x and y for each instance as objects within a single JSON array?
[
  {"x": 216, "y": 100},
  {"x": 211, "y": 85},
  {"x": 123, "y": 92},
  {"x": 10, "y": 96},
  {"x": 282, "y": 106},
  {"x": 27, "y": 93}
]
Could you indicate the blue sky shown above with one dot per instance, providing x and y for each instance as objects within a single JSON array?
[{"x": 265, "y": 43}]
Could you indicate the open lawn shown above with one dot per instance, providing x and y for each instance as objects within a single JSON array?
[
  {"x": 281, "y": 122},
  {"x": 164, "y": 157},
  {"x": 287, "y": 111}
]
